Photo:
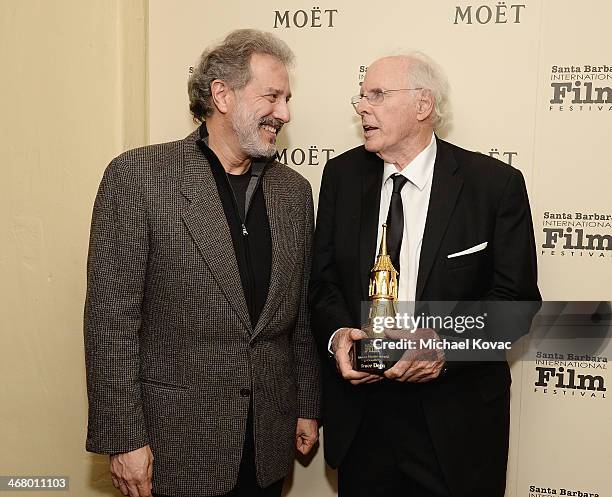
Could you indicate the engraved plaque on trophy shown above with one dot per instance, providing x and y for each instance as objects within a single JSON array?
[{"x": 376, "y": 353}]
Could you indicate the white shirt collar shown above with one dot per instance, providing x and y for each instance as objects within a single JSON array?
[{"x": 419, "y": 170}]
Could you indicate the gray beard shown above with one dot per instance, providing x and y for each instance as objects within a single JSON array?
[{"x": 247, "y": 132}]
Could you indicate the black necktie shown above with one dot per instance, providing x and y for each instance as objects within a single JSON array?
[{"x": 395, "y": 220}]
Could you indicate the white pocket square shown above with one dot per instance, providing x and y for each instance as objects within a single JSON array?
[{"x": 471, "y": 250}]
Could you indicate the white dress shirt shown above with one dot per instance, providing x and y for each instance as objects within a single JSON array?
[{"x": 415, "y": 202}]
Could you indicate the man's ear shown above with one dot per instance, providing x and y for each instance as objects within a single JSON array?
[
  {"x": 425, "y": 105},
  {"x": 221, "y": 95}
]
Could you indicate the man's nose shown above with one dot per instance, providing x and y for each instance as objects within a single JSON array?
[
  {"x": 363, "y": 106},
  {"x": 281, "y": 112}
]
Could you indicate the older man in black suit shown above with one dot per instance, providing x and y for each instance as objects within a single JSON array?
[{"x": 459, "y": 229}]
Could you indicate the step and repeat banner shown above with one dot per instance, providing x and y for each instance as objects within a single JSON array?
[{"x": 532, "y": 86}]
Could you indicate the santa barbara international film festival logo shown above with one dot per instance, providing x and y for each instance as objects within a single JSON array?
[
  {"x": 577, "y": 234},
  {"x": 539, "y": 490},
  {"x": 580, "y": 88},
  {"x": 570, "y": 375}
]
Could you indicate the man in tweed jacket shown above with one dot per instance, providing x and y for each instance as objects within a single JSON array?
[{"x": 202, "y": 375}]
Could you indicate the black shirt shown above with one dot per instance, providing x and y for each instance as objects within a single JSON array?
[
  {"x": 251, "y": 237},
  {"x": 240, "y": 183}
]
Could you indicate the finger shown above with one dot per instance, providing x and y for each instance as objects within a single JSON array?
[
  {"x": 123, "y": 487},
  {"x": 437, "y": 370},
  {"x": 133, "y": 489},
  {"x": 308, "y": 448},
  {"x": 416, "y": 377},
  {"x": 395, "y": 372},
  {"x": 149, "y": 480},
  {"x": 356, "y": 334},
  {"x": 346, "y": 368},
  {"x": 412, "y": 372},
  {"x": 312, "y": 439},
  {"x": 406, "y": 376},
  {"x": 144, "y": 488},
  {"x": 342, "y": 356},
  {"x": 303, "y": 448},
  {"x": 350, "y": 374},
  {"x": 369, "y": 378},
  {"x": 342, "y": 339},
  {"x": 309, "y": 439},
  {"x": 398, "y": 369},
  {"x": 427, "y": 373},
  {"x": 301, "y": 445},
  {"x": 419, "y": 367},
  {"x": 427, "y": 378}
]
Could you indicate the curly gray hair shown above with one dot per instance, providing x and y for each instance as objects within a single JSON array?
[{"x": 230, "y": 62}]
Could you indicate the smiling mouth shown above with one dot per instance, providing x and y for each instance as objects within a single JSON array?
[{"x": 270, "y": 129}]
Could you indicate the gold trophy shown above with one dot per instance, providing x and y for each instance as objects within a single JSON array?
[{"x": 375, "y": 353}]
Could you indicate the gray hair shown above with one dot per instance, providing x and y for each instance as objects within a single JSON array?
[
  {"x": 230, "y": 62},
  {"x": 424, "y": 72}
]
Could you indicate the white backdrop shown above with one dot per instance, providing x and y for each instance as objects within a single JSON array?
[{"x": 506, "y": 62}]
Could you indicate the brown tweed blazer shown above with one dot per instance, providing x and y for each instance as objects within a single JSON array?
[{"x": 171, "y": 357}]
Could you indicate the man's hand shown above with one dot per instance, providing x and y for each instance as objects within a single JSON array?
[
  {"x": 132, "y": 472},
  {"x": 306, "y": 435},
  {"x": 342, "y": 346},
  {"x": 417, "y": 366}
]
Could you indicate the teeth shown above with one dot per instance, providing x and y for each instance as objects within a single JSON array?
[{"x": 269, "y": 128}]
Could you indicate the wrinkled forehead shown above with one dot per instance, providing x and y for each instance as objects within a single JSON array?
[
  {"x": 386, "y": 73},
  {"x": 268, "y": 72}
]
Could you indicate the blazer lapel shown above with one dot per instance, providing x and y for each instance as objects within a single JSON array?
[
  {"x": 282, "y": 232},
  {"x": 206, "y": 222},
  {"x": 371, "y": 184},
  {"x": 445, "y": 188}
]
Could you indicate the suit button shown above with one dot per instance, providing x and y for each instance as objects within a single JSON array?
[{"x": 245, "y": 392}]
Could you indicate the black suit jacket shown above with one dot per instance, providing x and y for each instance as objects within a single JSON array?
[{"x": 474, "y": 199}]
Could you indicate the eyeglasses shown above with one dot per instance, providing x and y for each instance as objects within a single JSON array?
[{"x": 376, "y": 97}]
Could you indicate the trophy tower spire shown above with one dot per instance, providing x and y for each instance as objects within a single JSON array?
[{"x": 383, "y": 276}]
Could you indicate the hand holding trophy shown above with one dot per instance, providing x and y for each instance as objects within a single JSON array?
[{"x": 373, "y": 353}]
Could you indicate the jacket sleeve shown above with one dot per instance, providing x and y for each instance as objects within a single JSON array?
[
  {"x": 329, "y": 308},
  {"x": 116, "y": 269},
  {"x": 306, "y": 358},
  {"x": 515, "y": 266}
]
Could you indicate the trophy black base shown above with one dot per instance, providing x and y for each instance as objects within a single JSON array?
[{"x": 369, "y": 355}]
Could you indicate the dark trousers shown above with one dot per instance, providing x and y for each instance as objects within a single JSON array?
[
  {"x": 392, "y": 454},
  {"x": 247, "y": 486}
]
